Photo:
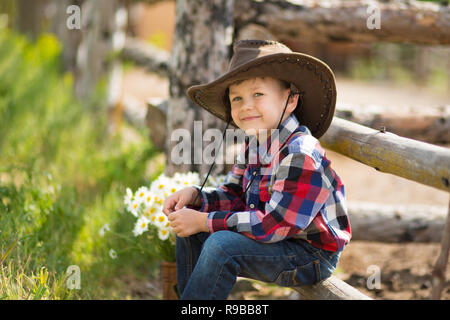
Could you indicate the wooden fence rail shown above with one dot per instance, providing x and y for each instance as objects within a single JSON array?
[
  {"x": 331, "y": 289},
  {"x": 349, "y": 20},
  {"x": 386, "y": 152}
]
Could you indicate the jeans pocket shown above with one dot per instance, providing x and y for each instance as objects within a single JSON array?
[{"x": 307, "y": 274}]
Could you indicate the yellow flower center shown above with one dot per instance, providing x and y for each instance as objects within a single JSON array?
[
  {"x": 161, "y": 218},
  {"x": 141, "y": 194},
  {"x": 161, "y": 186},
  {"x": 163, "y": 232}
]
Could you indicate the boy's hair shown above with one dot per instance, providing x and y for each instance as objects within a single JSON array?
[{"x": 283, "y": 85}]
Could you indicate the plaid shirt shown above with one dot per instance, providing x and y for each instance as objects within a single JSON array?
[{"x": 306, "y": 199}]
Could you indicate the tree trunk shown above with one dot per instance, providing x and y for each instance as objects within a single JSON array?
[
  {"x": 349, "y": 20},
  {"x": 201, "y": 51}
]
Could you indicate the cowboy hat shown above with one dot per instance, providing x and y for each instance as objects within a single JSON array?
[{"x": 267, "y": 58}]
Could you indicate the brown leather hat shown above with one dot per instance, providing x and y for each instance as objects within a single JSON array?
[{"x": 267, "y": 58}]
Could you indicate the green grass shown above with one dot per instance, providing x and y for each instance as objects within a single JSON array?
[{"x": 62, "y": 177}]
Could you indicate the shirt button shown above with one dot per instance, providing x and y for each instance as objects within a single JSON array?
[
  {"x": 255, "y": 173},
  {"x": 252, "y": 206}
]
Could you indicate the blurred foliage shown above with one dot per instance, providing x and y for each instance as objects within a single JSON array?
[
  {"x": 427, "y": 66},
  {"x": 62, "y": 177}
]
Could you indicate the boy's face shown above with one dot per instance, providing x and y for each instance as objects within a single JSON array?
[{"x": 257, "y": 104}]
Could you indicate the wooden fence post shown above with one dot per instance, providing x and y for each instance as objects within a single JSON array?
[{"x": 438, "y": 279}]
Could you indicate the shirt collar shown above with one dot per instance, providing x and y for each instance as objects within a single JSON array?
[
  {"x": 255, "y": 153},
  {"x": 277, "y": 139}
]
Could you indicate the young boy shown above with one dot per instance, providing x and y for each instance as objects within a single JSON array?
[{"x": 282, "y": 219}]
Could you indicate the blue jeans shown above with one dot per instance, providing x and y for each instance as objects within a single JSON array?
[{"x": 208, "y": 264}]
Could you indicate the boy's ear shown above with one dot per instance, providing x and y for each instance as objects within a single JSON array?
[{"x": 293, "y": 101}]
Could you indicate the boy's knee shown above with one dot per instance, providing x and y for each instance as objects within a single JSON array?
[{"x": 222, "y": 242}]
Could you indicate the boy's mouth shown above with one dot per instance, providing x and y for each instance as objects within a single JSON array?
[{"x": 249, "y": 118}]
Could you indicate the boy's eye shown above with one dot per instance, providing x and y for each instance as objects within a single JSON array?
[{"x": 256, "y": 94}]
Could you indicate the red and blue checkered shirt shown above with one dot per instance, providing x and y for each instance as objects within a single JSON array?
[{"x": 295, "y": 193}]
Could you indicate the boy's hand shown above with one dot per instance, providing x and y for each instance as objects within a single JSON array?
[
  {"x": 180, "y": 199},
  {"x": 186, "y": 222}
]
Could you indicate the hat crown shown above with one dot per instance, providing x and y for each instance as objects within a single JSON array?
[{"x": 248, "y": 50}]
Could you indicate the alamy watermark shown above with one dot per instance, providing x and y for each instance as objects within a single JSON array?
[
  {"x": 374, "y": 280},
  {"x": 74, "y": 19},
  {"x": 213, "y": 146},
  {"x": 374, "y": 19},
  {"x": 73, "y": 277}
]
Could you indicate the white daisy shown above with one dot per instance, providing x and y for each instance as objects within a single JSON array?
[
  {"x": 163, "y": 233},
  {"x": 141, "y": 194},
  {"x": 187, "y": 179},
  {"x": 141, "y": 226},
  {"x": 134, "y": 207},
  {"x": 104, "y": 229},
  {"x": 150, "y": 212},
  {"x": 149, "y": 200},
  {"x": 113, "y": 254},
  {"x": 159, "y": 186},
  {"x": 160, "y": 220}
]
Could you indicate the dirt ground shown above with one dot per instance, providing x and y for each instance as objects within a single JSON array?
[{"x": 405, "y": 268}]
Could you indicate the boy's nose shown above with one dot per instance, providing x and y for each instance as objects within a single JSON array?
[{"x": 247, "y": 104}]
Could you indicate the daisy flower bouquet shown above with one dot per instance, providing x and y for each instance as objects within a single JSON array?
[{"x": 146, "y": 204}]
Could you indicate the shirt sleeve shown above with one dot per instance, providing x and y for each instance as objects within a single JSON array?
[
  {"x": 227, "y": 196},
  {"x": 300, "y": 190}
]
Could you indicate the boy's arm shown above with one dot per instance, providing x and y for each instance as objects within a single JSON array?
[
  {"x": 226, "y": 196},
  {"x": 300, "y": 190}
]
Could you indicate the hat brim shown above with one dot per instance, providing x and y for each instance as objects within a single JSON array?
[{"x": 310, "y": 75}]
